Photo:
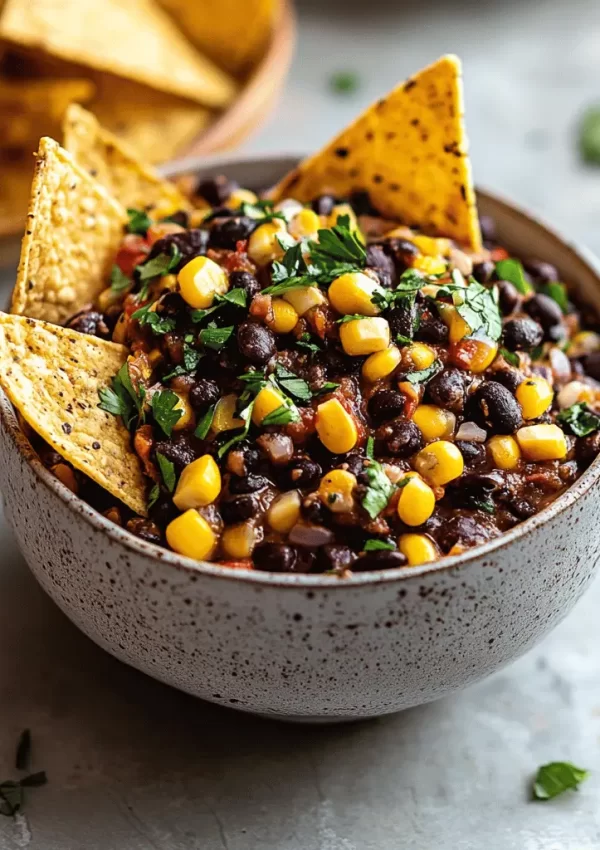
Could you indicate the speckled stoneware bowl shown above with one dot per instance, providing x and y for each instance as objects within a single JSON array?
[{"x": 311, "y": 647}]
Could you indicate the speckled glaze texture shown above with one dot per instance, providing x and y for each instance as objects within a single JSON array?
[{"x": 310, "y": 647}]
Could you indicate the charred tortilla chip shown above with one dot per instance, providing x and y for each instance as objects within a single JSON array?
[
  {"x": 409, "y": 151},
  {"x": 73, "y": 231},
  {"x": 52, "y": 375},
  {"x": 133, "y": 39},
  {"x": 116, "y": 166}
]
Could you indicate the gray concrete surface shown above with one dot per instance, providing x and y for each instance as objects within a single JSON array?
[{"x": 134, "y": 765}]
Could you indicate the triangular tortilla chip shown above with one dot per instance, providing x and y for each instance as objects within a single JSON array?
[
  {"x": 133, "y": 39},
  {"x": 52, "y": 376},
  {"x": 73, "y": 231},
  {"x": 116, "y": 166},
  {"x": 409, "y": 151}
]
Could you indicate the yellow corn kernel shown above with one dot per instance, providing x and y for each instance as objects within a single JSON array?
[
  {"x": 306, "y": 223},
  {"x": 542, "y": 442},
  {"x": 196, "y": 217},
  {"x": 190, "y": 535},
  {"x": 505, "y": 452},
  {"x": 429, "y": 265},
  {"x": 304, "y": 298},
  {"x": 199, "y": 484},
  {"x": 439, "y": 463},
  {"x": 484, "y": 356},
  {"x": 200, "y": 280},
  {"x": 168, "y": 282},
  {"x": 263, "y": 245},
  {"x": 364, "y": 336},
  {"x": 267, "y": 400},
  {"x": 416, "y": 502},
  {"x": 284, "y": 512},
  {"x": 381, "y": 364},
  {"x": 336, "y": 491},
  {"x": 457, "y": 327},
  {"x": 284, "y": 317},
  {"x": 239, "y": 197},
  {"x": 238, "y": 541},
  {"x": 120, "y": 331},
  {"x": 352, "y": 293},
  {"x": 341, "y": 210},
  {"x": 431, "y": 246},
  {"x": 418, "y": 549},
  {"x": 336, "y": 427},
  {"x": 154, "y": 357},
  {"x": 535, "y": 396},
  {"x": 108, "y": 297},
  {"x": 225, "y": 418},
  {"x": 421, "y": 355},
  {"x": 434, "y": 422},
  {"x": 584, "y": 342},
  {"x": 187, "y": 413}
]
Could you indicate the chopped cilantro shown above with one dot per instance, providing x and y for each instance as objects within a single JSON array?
[
  {"x": 160, "y": 265},
  {"x": 379, "y": 490},
  {"x": 512, "y": 270},
  {"x": 153, "y": 495},
  {"x": 158, "y": 324},
  {"x": 246, "y": 417},
  {"x": 203, "y": 426},
  {"x": 403, "y": 340},
  {"x": 165, "y": 410},
  {"x": 167, "y": 471},
  {"x": 292, "y": 384},
  {"x": 510, "y": 357},
  {"x": 478, "y": 306},
  {"x": 215, "y": 338},
  {"x": 328, "y": 387},
  {"x": 374, "y": 545},
  {"x": 579, "y": 419},
  {"x": 119, "y": 281},
  {"x": 262, "y": 211},
  {"x": 139, "y": 221},
  {"x": 121, "y": 398},
  {"x": 555, "y": 778},
  {"x": 236, "y": 296},
  {"x": 485, "y": 505},
  {"x": 304, "y": 342},
  {"x": 558, "y": 292},
  {"x": 282, "y": 415},
  {"x": 339, "y": 244},
  {"x": 424, "y": 375},
  {"x": 370, "y": 448},
  {"x": 344, "y": 82},
  {"x": 589, "y": 136},
  {"x": 351, "y": 317}
]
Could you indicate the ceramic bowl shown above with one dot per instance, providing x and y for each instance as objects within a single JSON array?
[{"x": 311, "y": 647}]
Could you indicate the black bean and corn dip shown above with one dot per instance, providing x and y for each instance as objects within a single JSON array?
[{"x": 315, "y": 389}]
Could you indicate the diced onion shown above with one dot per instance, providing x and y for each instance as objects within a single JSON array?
[
  {"x": 310, "y": 535},
  {"x": 469, "y": 432}
]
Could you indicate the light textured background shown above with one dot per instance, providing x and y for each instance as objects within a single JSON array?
[{"x": 136, "y": 766}]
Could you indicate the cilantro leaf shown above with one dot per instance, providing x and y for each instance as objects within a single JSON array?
[
  {"x": 282, "y": 415},
  {"x": 167, "y": 471},
  {"x": 158, "y": 324},
  {"x": 370, "y": 448},
  {"x": 510, "y": 357},
  {"x": 351, "y": 317},
  {"x": 344, "y": 82},
  {"x": 375, "y": 545},
  {"x": 379, "y": 490},
  {"x": 121, "y": 398},
  {"x": 214, "y": 337},
  {"x": 246, "y": 417},
  {"x": 160, "y": 265},
  {"x": 119, "y": 281},
  {"x": 558, "y": 292},
  {"x": 328, "y": 387},
  {"x": 555, "y": 778},
  {"x": 304, "y": 342},
  {"x": 339, "y": 244},
  {"x": 589, "y": 136},
  {"x": 203, "y": 426},
  {"x": 292, "y": 384},
  {"x": 191, "y": 360},
  {"x": 478, "y": 306},
  {"x": 579, "y": 419},
  {"x": 403, "y": 340},
  {"x": 512, "y": 270},
  {"x": 236, "y": 296},
  {"x": 424, "y": 375},
  {"x": 261, "y": 211},
  {"x": 139, "y": 221},
  {"x": 153, "y": 495},
  {"x": 166, "y": 414}
]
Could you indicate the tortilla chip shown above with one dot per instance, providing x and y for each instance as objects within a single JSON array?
[
  {"x": 409, "y": 151},
  {"x": 74, "y": 229},
  {"x": 117, "y": 167},
  {"x": 15, "y": 187},
  {"x": 234, "y": 35},
  {"x": 33, "y": 108},
  {"x": 52, "y": 376},
  {"x": 133, "y": 39}
]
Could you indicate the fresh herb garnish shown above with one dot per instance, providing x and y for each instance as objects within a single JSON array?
[
  {"x": 158, "y": 324},
  {"x": 119, "y": 281},
  {"x": 327, "y": 387},
  {"x": 350, "y": 317},
  {"x": 261, "y": 211},
  {"x": 589, "y": 136},
  {"x": 344, "y": 82},
  {"x": 292, "y": 384},
  {"x": 555, "y": 778},
  {"x": 558, "y": 292},
  {"x": 160, "y": 265},
  {"x": 579, "y": 419},
  {"x": 374, "y": 545},
  {"x": 246, "y": 417},
  {"x": 121, "y": 398},
  {"x": 403, "y": 340},
  {"x": 409, "y": 284},
  {"x": 11, "y": 790},
  {"x": 304, "y": 341},
  {"x": 167, "y": 471},
  {"x": 478, "y": 306},
  {"x": 512, "y": 270},
  {"x": 510, "y": 357},
  {"x": 214, "y": 337},
  {"x": 153, "y": 496},
  {"x": 139, "y": 221},
  {"x": 338, "y": 244},
  {"x": 191, "y": 360},
  {"x": 282, "y": 415},
  {"x": 423, "y": 375},
  {"x": 237, "y": 296},
  {"x": 379, "y": 490},
  {"x": 166, "y": 414},
  {"x": 203, "y": 426},
  {"x": 485, "y": 505}
]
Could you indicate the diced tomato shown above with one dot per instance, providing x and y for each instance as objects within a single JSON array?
[
  {"x": 242, "y": 564},
  {"x": 498, "y": 254},
  {"x": 133, "y": 251}
]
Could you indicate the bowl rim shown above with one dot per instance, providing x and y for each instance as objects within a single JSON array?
[{"x": 120, "y": 535}]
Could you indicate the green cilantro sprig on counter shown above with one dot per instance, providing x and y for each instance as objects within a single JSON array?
[
  {"x": 12, "y": 790},
  {"x": 344, "y": 82},
  {"x": 589, "y": 136},
  {"x": 557, "y": 777},
  {"x": 579, "y": 419}
]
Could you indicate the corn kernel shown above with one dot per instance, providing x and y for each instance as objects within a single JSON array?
[
  {"x": 199, "y": 484},
  {"x": 505, "y": 452},
  {"x": 422, "y": 356},
  {"x": 457, "y": 327},
  {"x": 187, "y": 413},
  {"x": 429, "y": 265},
  {"x": 238, "y": 541},
  {"x": 168, "y": 283},
  {"x": 154, "y": 357},
  {"x": 336, "y": 427},
  {"x": 434, "y": 422},
  {"x": 225, "y": 418},
  {"x": 306, "y": 223},
  {"x": 364, "y": 336},
  {"x": 418, "y": 549},
  {"x": 200, "y": 280},
  {"x": 120, "y": 331},
  {"x": 381, "y": 364},
  {"x": 473, "y": 354},
  {"x": 304, "y": 298},
  {"x": 263, "y": 245},
  {"x": 284, "y": 317},
  {"x": 352, "y": 293},
  {"x": 584, "y": 342},
  {"x": 239, "y": 197},
  {"x": 542, "y": 442},
  {"x": 108, "y": 297},
  {"x": 284, "y": 512},
  {"x": 535, "y": 396},
  {"x": 341, "y": 210},
  {"x": 267, "y": 400},
  {"x": 416, "y": 502},
  {"x": 431, "y": 246},
  {"x": 190, "y": 535},
  {"x": 439, "y": 463},
  {"x": 336, "y": 491}
]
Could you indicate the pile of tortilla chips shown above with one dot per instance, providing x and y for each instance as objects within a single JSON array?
[
  {"x": 409, "y": 150},
  {"x": 155, "y": 72}
]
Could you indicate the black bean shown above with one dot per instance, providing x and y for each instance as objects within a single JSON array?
[
  {"x": 163, "y": 511},
  {"x": 383, "y": 264},
  {"x": 238, "y": 509},
  {"x": 379, "y": 560},
  {"x": 247, "y": 483},
  {"x": 548, "y": 314},
  {"x": 336, "y": 557},
  {"x": 474, "y": 487},
  {"x": 145, "y": 529},
  {"x": 541, "y": 272},
  {"x": 181, "y": 217},
  {"x": 323, "y": 205},
  {"x": 315, "y": 511},
  {"x": 402, "y": 252},
  {"x": 508, "y": 297},
  {"x": 89, "y": 322},
  {"x": 247, "y": 457},
  {"x": 226, "y": 234},
  {"x": 402, "y": 319},
  {"x": 448, "y": 390},
  {"x": 203, "y": 393},
  {"x": 521, "y": 334},
  {"x": 275, "y": 557},
  {"x": 522, "y": 508},
  {"x": 354, "y": 462},
  {"x": 488, "y": 228},
  {"x": 431, "y": 329},
  {"x": 484, "y": 272},
  {"x": 181, "y": 449},
  {"x": 256, "y": 342},
  {"x": 463, "y": 529},
  {"x": 509, "y": 377},
  {"x": 245, "y": 281},
  {"x": 400, "y": 438},
  {"x": 304, "y": 473},
  {"x": 473, "y": 453},
  {"x": 190, "y": 243},
  {"x": 591, "y": 364},
  {"x": 360, "y": 201},
  {"x": 496, "y": 409},
  {"x": 587, "y": 448},
  {"x": 216, "y": 190},
  {"x": 386, "y": 404}
]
